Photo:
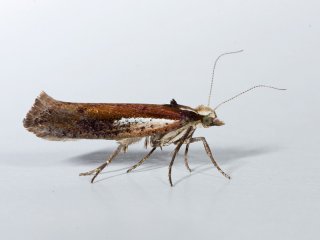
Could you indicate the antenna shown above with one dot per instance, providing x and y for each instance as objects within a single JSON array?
[
  {"x": 239, "y": 94},
  {"x": 214, "y": 68}
]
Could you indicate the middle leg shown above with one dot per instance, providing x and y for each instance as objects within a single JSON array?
[{"x": 142, "y": 160}]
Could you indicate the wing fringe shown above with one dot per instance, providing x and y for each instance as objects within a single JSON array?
[{"x": 32, "y": 121}]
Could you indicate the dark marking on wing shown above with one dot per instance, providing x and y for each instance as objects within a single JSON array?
[{"x": 173, "y": 102}]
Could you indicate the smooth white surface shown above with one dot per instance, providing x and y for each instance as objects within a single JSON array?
[{"x": 150, "y": 52}]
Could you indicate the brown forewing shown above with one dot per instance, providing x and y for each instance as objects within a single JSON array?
[{"x": 57, "y": 120}]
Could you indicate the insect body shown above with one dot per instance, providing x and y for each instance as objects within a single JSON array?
[{"x": 159, "y": 125}]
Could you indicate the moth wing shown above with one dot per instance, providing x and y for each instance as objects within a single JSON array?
[{"x": 57, "y": 120}]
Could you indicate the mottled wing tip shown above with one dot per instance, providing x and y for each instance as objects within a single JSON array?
[{"x": 33, "y": 118}]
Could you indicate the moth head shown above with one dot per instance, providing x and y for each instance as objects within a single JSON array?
[{"x": 209, "y": 116}]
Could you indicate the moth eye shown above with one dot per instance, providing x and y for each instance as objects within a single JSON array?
[{"x": 207, "y": 121}]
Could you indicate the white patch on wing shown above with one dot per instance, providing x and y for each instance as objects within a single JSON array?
[{"x": 139, "y": 120}]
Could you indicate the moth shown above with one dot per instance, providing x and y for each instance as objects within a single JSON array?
[{"x": 158, "y": 125}]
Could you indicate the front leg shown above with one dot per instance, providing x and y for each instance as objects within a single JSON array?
[
  {"x": 186, "y": 157},
  {"x": 176, "y": 150},
  {"x": 209, "y": 153},
  {"x": 187, "y": 142}
]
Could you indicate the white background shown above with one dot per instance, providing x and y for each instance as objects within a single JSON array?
[{"x": 149, "y": 52}]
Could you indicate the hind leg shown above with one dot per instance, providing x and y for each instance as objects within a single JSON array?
[{"x": 97, "y": 170}]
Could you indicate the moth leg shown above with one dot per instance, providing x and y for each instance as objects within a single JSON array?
[
  {"x": 187, "y": 142},
  {"x": 97, "y": 170},
  {"x": 186, "y": 157},
  {"x": 142, "y": 160},
  {"x": 146, "y": 142},
  {"x": 209, "y": 153},
  {"x": 176, "y": 150}
]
